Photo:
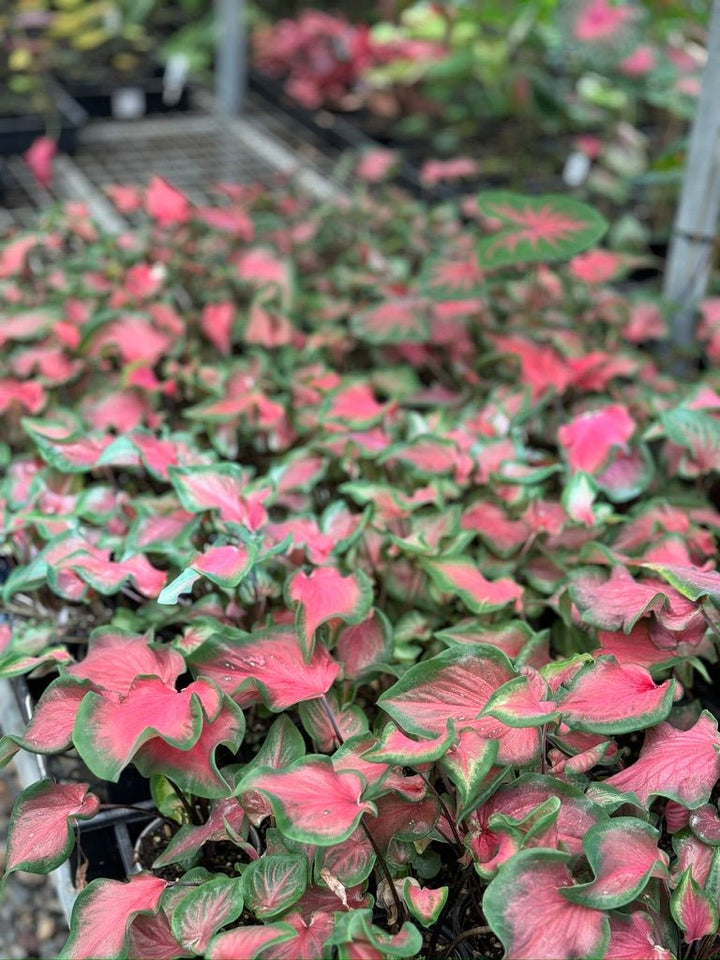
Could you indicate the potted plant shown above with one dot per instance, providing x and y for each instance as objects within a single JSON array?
[{"x": 384, "y": 559}]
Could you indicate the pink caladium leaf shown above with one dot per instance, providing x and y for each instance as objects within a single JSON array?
[
  {"x": 349, "y": 863},
  {"x": 220, "y": 487},
  {"x": 40, "y": 832},
  {"x": 65, "y": 448},
  {"x": 224, "y": 565},
  {"x": 551, "y": 227},
  {"x": 199, "y": 914},
  {"x": 425, "y": 903},
  {"x": 224, "y": 814},
  {"x": 460, "y": 577},
  {"x": 246, "y": 942},
  {"x": 195, "y": 770},
  {"x": 705, "y": 824},
  {"x": 403, "y": 320},
  {"x": 165, "y": 205},
  {"x": 395, "y": 747},
  {"x": 693, "y": 910},
  {"x": 216, "y": 322},
  {"x": 110, "y": 728},
  {"x": 50, "y": 728},
  {"x": 635, "y": 938},
  {"x": 103, "y": 911},
  {"x": 151, "y": 938},
  {"x": 610, "y": 697},
  {"x": 683, "y": 765},
  {"x": 115, "y": 658},
  {"x": 616, "y": 603},
  {"x": 525, "y": 907},
  {"x": 324, "y": 594},
  {"x": 312, "y": 802},
  {"x": 468, "y": 763},
  {"x": 589, "y": 439},
  {"x": 363, "y": 647},
  {"x": 624, "y": 855},
  {"x": 355, "y": 936},
  {"x": 268, "y": 664},
  {"x": 273, "y": 883}
]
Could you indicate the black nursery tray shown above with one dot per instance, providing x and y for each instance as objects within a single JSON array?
[
  {"x": 128, "y": 99},
  {"x": 17, "y": 133}
]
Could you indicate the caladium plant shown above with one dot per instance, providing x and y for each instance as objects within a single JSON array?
[{"x": 387, "y": 564}]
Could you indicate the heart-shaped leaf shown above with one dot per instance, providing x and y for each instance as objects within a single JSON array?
[
  {"x": 203, "y": 911},
  {"x": 40, "y": 832},
  {"x": 272, "y": 884},
  {"x": 550, "y": 227},
  {"x": 324, "y": 594},
  {"x": 460, "y": 577}
]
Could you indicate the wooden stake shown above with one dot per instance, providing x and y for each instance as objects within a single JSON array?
[{"x": 694, "y": 231}]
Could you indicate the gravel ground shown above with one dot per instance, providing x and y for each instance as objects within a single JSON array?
[{"x": 32, "y": 923}]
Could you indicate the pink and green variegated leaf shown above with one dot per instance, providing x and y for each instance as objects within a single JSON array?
[
  {"x": 683, "y": 765},
  {"x": 245, "y": 943},
  {"x": 268, "y": 663},
  {"x": 224, "y": 565},
  {"x": 468, "y": 763},
  {"x": 461, "y": 578},
  {"x": 589, "y": 438},
  {"x": 324, "y": 594},
  {"x": 110, "y": 729},
  {"x": 116, "y": 658},
  {"x": 624, "y": 855},
  {"x": 635, "y": 938},
  {"x": 40, "y": 832},
  {"x": 357, "y": 938},
  {"x": 312, "y": 802},
  {"x": 692, "y": 582},
  {"x": 204, "y": 910},
  {"x": 525, "y": 907},
  {"x": 350, "y": 862},
  {"x": 616, "y": 603},
  {"x": 705, "y": 824},
  {"x": 365, "y": 645},
  {"x": 217, "y": 486},
  {"x": 404, "y": 320},
  {"x": 103, "y": 911},
  {"x": 693, "y": 911},
  {"x": 68, "y": 450},
  {"x": 396, "y": 747},
  {"x": 195, "y": 770},
  {"x": 403, "y": 819},
  {"x": 523, "y": 702},
  {"x": 350, "y": 720},
  {"x": 272, "y": 884},
  {"x": 426, "y": 456},
  {"x": 152, "y": 939},
  {"x": 550, "y": 227},
  {"x": 610, "y": 697},
  {"x": 190, "y": 839},
  {"x": 454, "y": 685},
  {"x": 50, "y": 728},
  {"x": 424, "y": 903}
]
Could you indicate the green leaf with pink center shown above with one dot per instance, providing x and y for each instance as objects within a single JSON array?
[
  {"x": 612, "y": 698},
  {"x": 395, "y": 747},
  {"x": 424, "y": 903},
  {"x": 324, "y": 594},
  {"x": 246, "y": 942},
  {"x": 617, "y": 602},
  {"x": 103, "y": 912},
  {"x": 549, "y": 227},
  {"x": 41, "y": 832},
  {"x": 273, "y": 883},
  {"x": 624, "y": 855},
  {"x": 202, "y": 911},
  {"x": 526, "y": 908},
  {"x": 312, "y": 802},
  {"x": 524, "y": 701}
]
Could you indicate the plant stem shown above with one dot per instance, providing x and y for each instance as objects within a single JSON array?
[
  {"x": 331, "y": 717},
  {"x": 472, "y": 932},
  {"x": 183, "y": 800},
  {"x": 445, "y": 810}
]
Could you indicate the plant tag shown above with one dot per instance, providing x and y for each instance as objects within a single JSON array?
[
  {"x": 127, "y": 103},
  {"x": 576, "y": 169},
  {"x": 174, "y": 78}
]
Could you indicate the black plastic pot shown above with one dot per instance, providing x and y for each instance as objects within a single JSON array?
[{"x": 17, "y": 133}]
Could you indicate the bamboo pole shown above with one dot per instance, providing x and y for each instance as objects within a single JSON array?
[
  {"x": 230, "y": 56},
  {"x": 694, "y": 230}
]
